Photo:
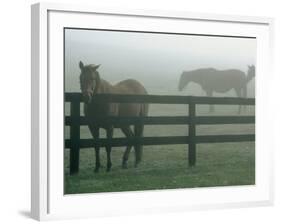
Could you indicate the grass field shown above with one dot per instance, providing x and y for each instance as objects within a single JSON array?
[{"x": 166, "y": 167}]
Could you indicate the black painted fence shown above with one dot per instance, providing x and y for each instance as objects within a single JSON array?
[{"x": 75, "y": 120}]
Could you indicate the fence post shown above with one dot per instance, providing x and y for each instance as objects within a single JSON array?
[
  {"x": 74, "y": 135},
  {"x": 192, "y": 134}
]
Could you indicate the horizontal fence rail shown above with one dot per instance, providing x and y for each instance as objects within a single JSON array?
[
  {"x": 162, "y": 99},
  {"x": 75, "y": 120},
  {"x": 163, "y": 120},
  {"x": 165, "y": 140}
]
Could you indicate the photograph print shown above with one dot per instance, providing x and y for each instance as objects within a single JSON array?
[{"x": 154, "y": 111}]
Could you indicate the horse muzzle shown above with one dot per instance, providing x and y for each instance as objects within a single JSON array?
[{"x": 87, "y": 97}]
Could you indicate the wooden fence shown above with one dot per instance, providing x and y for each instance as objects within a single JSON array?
[{"x": 75, "y": 120}]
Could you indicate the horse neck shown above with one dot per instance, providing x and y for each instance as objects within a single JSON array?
[
  {"x": 249, "y": 77},
  {"x": 192, "y": 76}
]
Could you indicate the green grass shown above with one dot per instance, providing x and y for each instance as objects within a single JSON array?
[{"x": 166, "y": 167}]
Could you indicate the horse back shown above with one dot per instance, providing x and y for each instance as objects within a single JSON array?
[
  {"x": 131, "y": 87},
  {"x": 223, "y": 80}
]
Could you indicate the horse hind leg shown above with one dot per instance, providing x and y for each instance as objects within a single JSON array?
[
  {"x": 109, "y": 134},
  {"x": 138, "y": 147},
  {"x": 128, "y": 133}
]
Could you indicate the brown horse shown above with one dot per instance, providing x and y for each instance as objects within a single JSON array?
[
  {"x": 91, "y": 84},
  {"x": 213, "y": 80}
]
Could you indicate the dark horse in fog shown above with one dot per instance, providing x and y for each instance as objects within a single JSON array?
[
  {"x": 213, "y": 80},
  {"x": 92, "y": 84}
]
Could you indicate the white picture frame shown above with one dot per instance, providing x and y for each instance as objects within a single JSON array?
[{"x": 48, "y": 201}]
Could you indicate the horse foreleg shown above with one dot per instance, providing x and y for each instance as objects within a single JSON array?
[
  {"x": 138, "y": 147},
  {"x": 128, "y": 133},
  {"x": 109, "y": 134},
  {"x": 245, "y": 96},
  {"x": 95, "y": 134}
]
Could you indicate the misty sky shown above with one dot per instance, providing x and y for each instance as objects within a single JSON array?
[{"x": 156, "y": 60}]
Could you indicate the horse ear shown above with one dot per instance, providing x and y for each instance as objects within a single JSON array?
[
  {"x": 81, "y": 65},
  {"x": 96, "y": 67}
]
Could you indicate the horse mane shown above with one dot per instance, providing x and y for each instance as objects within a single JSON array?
[{"x": 251, "y": 73}]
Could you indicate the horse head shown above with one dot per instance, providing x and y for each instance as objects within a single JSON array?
[
  {"x": 89, "y": 81},
  {"x": 251, "y": 72}
]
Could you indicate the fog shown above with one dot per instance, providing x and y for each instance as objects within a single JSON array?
[{"x": 156, "y": 60}]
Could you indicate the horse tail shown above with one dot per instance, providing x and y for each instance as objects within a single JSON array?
[
  {"x": 144, "y": 110},
  {"x": 181, "y": 84},
  {"x": 139, "y": 131}
]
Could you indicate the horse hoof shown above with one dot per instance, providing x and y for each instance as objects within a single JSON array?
[
  {"x": 137, "y": 163},
  {"x": 108, "y": 167}
]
